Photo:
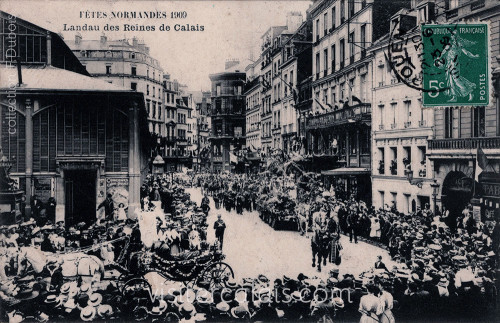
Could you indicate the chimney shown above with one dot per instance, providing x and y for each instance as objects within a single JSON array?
[
  {"x": 104, "y": 39},
  {"x": 78, "y": 38},
  {"x": 231, "y": 63},
  {"x": 135, "y": 42},
  {"x": 293, "y": 21}
]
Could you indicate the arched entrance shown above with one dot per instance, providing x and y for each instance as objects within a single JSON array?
[{"x": 457, "y": 192}]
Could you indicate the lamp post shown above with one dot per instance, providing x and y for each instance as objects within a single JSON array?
[{"x": 435, "y": 188}]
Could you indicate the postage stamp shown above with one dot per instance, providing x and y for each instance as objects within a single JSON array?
[{"x": 455, "y": 65}]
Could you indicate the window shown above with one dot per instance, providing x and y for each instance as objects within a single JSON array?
[
  {"x": 317, "y": 65},
  {"x": 333, "y": 18},
  {"x": 133, "y": 86},
  {"x": 342, "y": 92},
  {"x": 291, "y": 81},
  {"x": 333, "y": 96},
  {"x": 218, "y": 90},
  {"x": 453, "y": 4},
  {"x": 147, "y": 89},
  {"x": 448, "y": 122},
  {"x": 148, "y": 105},
  {"x": 363, "y": 41},
  {"x": 393, "y": 112},
  {"x": 333, "y": 58},
  {"x": 478, "y": 123},
  {"x": 351, "y": 8},
  {"x": 325, "y": 61},
  {"x": 147, "y": 73},
  {"x": 108, "y": 69},
  {"x": 342, "y": 53},
  {"x": 133, "y": 70},
  {"x": 159, "y": 92},
  {"x": 168, "y": 113},
  {"x": 317, "y": 29},
  {"x": 351, "y": 47},
  {"x": 407, "y": 110},
  {"x": 381, "y": 114},
  {"x": 362, "y": 88},
  {"x": 159, "y": 110},
  {"x": 325, "y": 96},
  {"x": 239, "y": 89},
  {"x": 342, "y": 11},
  {"x": 132, "y": 55},
  {"x": 325, "y": 23}
]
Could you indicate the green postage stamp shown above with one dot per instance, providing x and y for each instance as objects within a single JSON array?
[{"x": 455, "y": 65}]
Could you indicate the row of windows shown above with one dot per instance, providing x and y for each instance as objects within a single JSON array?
[
  {"x": 334, "y": 17},
  {"x": 326, "y": 60},
  {"x": 133, "y": 72},
  {"x": 116, "y": 54},
  {"x": 153, "y": 109},
  {"x": 389, "y": 163},
  {"x": 338, "y": 94}
]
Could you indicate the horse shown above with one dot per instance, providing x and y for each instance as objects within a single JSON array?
[{"x": 320, "y": 245}]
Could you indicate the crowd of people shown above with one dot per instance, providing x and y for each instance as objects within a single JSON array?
[{"x": 446, "y": 263}]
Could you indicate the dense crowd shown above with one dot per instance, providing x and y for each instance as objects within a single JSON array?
[
  {"x": 445, "y": 268},
  {"x": 447, "y": 263}
]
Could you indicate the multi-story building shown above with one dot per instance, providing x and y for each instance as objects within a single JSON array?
[
  {"x": 128, "y": 65},
  {"x": 340, "y": 127},
  {"x": 228, "y": 116},
  {"x": 170, "y": 96},
  {"x": 68, "y": 136},
  {"x": 459, "y": 131},
  {"x": 253, "y": 92},
  {"x": 295, "y": 68},
  {"x": 184, "y": 128},
  {"x": 202, "y": 102},
  {"x": 401, "y": 127},
  {"x": 267, "y": 96}
]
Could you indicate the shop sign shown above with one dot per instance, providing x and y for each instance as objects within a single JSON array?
[{"x": 113, "y": 181}]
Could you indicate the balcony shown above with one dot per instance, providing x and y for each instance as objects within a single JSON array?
[
  {"x": 393, "y": 126},
  {"x": 381, "y": 127},
  {"x": 422, "y": 123},
  {"x": 348, "y": 115},
  {"x": 477, "y": 4},
  {"x": 452, "y": 13},
  {"x": 465, "y": 143},
  {"x": 407, "y": 124}
]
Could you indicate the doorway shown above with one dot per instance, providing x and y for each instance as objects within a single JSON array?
[{"x": 80, "y": 193}]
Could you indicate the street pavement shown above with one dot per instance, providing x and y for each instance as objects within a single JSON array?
[{"x": 252, "y": 247}]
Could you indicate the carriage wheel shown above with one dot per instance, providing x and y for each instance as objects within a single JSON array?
[
  {"x": 136, "y": 287},
  {"x": 216, "y": 275}
]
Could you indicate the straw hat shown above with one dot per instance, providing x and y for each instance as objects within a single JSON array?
[
  {"x": 88, "y": 313},
  {"x": 95, "y": 299}
]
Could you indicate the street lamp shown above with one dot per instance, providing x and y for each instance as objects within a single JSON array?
[{"x": 435, "y": 188}]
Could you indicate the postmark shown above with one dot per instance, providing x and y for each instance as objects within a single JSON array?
[{"x": 455, "y": 65}]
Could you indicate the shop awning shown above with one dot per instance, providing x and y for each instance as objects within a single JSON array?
[{"x": 346, "y": 171}]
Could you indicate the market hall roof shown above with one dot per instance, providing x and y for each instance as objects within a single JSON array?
[{"x": 48, "y": 78}]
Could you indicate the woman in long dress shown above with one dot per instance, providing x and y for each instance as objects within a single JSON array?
[
  {"x": 385, "y": 306},
  {"x": 369, "y": 305}
]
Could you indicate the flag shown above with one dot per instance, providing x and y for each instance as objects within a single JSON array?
[
  {"x": 481, "y": 163},
  {"x": 233, "y": 158}
]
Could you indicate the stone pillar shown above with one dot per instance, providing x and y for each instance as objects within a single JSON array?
[
  {"x": 347, "y": 149},
  {"x": 134, "y": 161},
  {"x": 60, "y": 197},
  {"x": 29, "y": 154}
]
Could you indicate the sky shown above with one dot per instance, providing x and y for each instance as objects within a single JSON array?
[{"x": 232, "y": 29}]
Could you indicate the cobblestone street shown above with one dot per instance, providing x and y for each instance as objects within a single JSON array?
[{"x": 252, "y": 247}]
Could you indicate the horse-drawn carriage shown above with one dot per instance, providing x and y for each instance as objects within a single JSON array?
[{"x": 203, "y": 268}]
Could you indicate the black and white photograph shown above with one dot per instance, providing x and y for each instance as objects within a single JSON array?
[{"x": 250, "y": 161}]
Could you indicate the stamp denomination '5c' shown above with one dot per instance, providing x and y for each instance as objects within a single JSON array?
[{"x": 455, "y": 65}]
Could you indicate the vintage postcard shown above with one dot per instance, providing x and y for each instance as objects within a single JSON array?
[{"x": 253, "y": 161}]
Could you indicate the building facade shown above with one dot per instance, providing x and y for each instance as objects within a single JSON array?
[
  {"x": 128, "y": 65},
  {"x": 227, "y": 117},
  {"x": 75, "y": 141},
  {"x": 401, "y": 126},
  {"x": 460, "y": 132},
  {"x": 169, "y": 144}
]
